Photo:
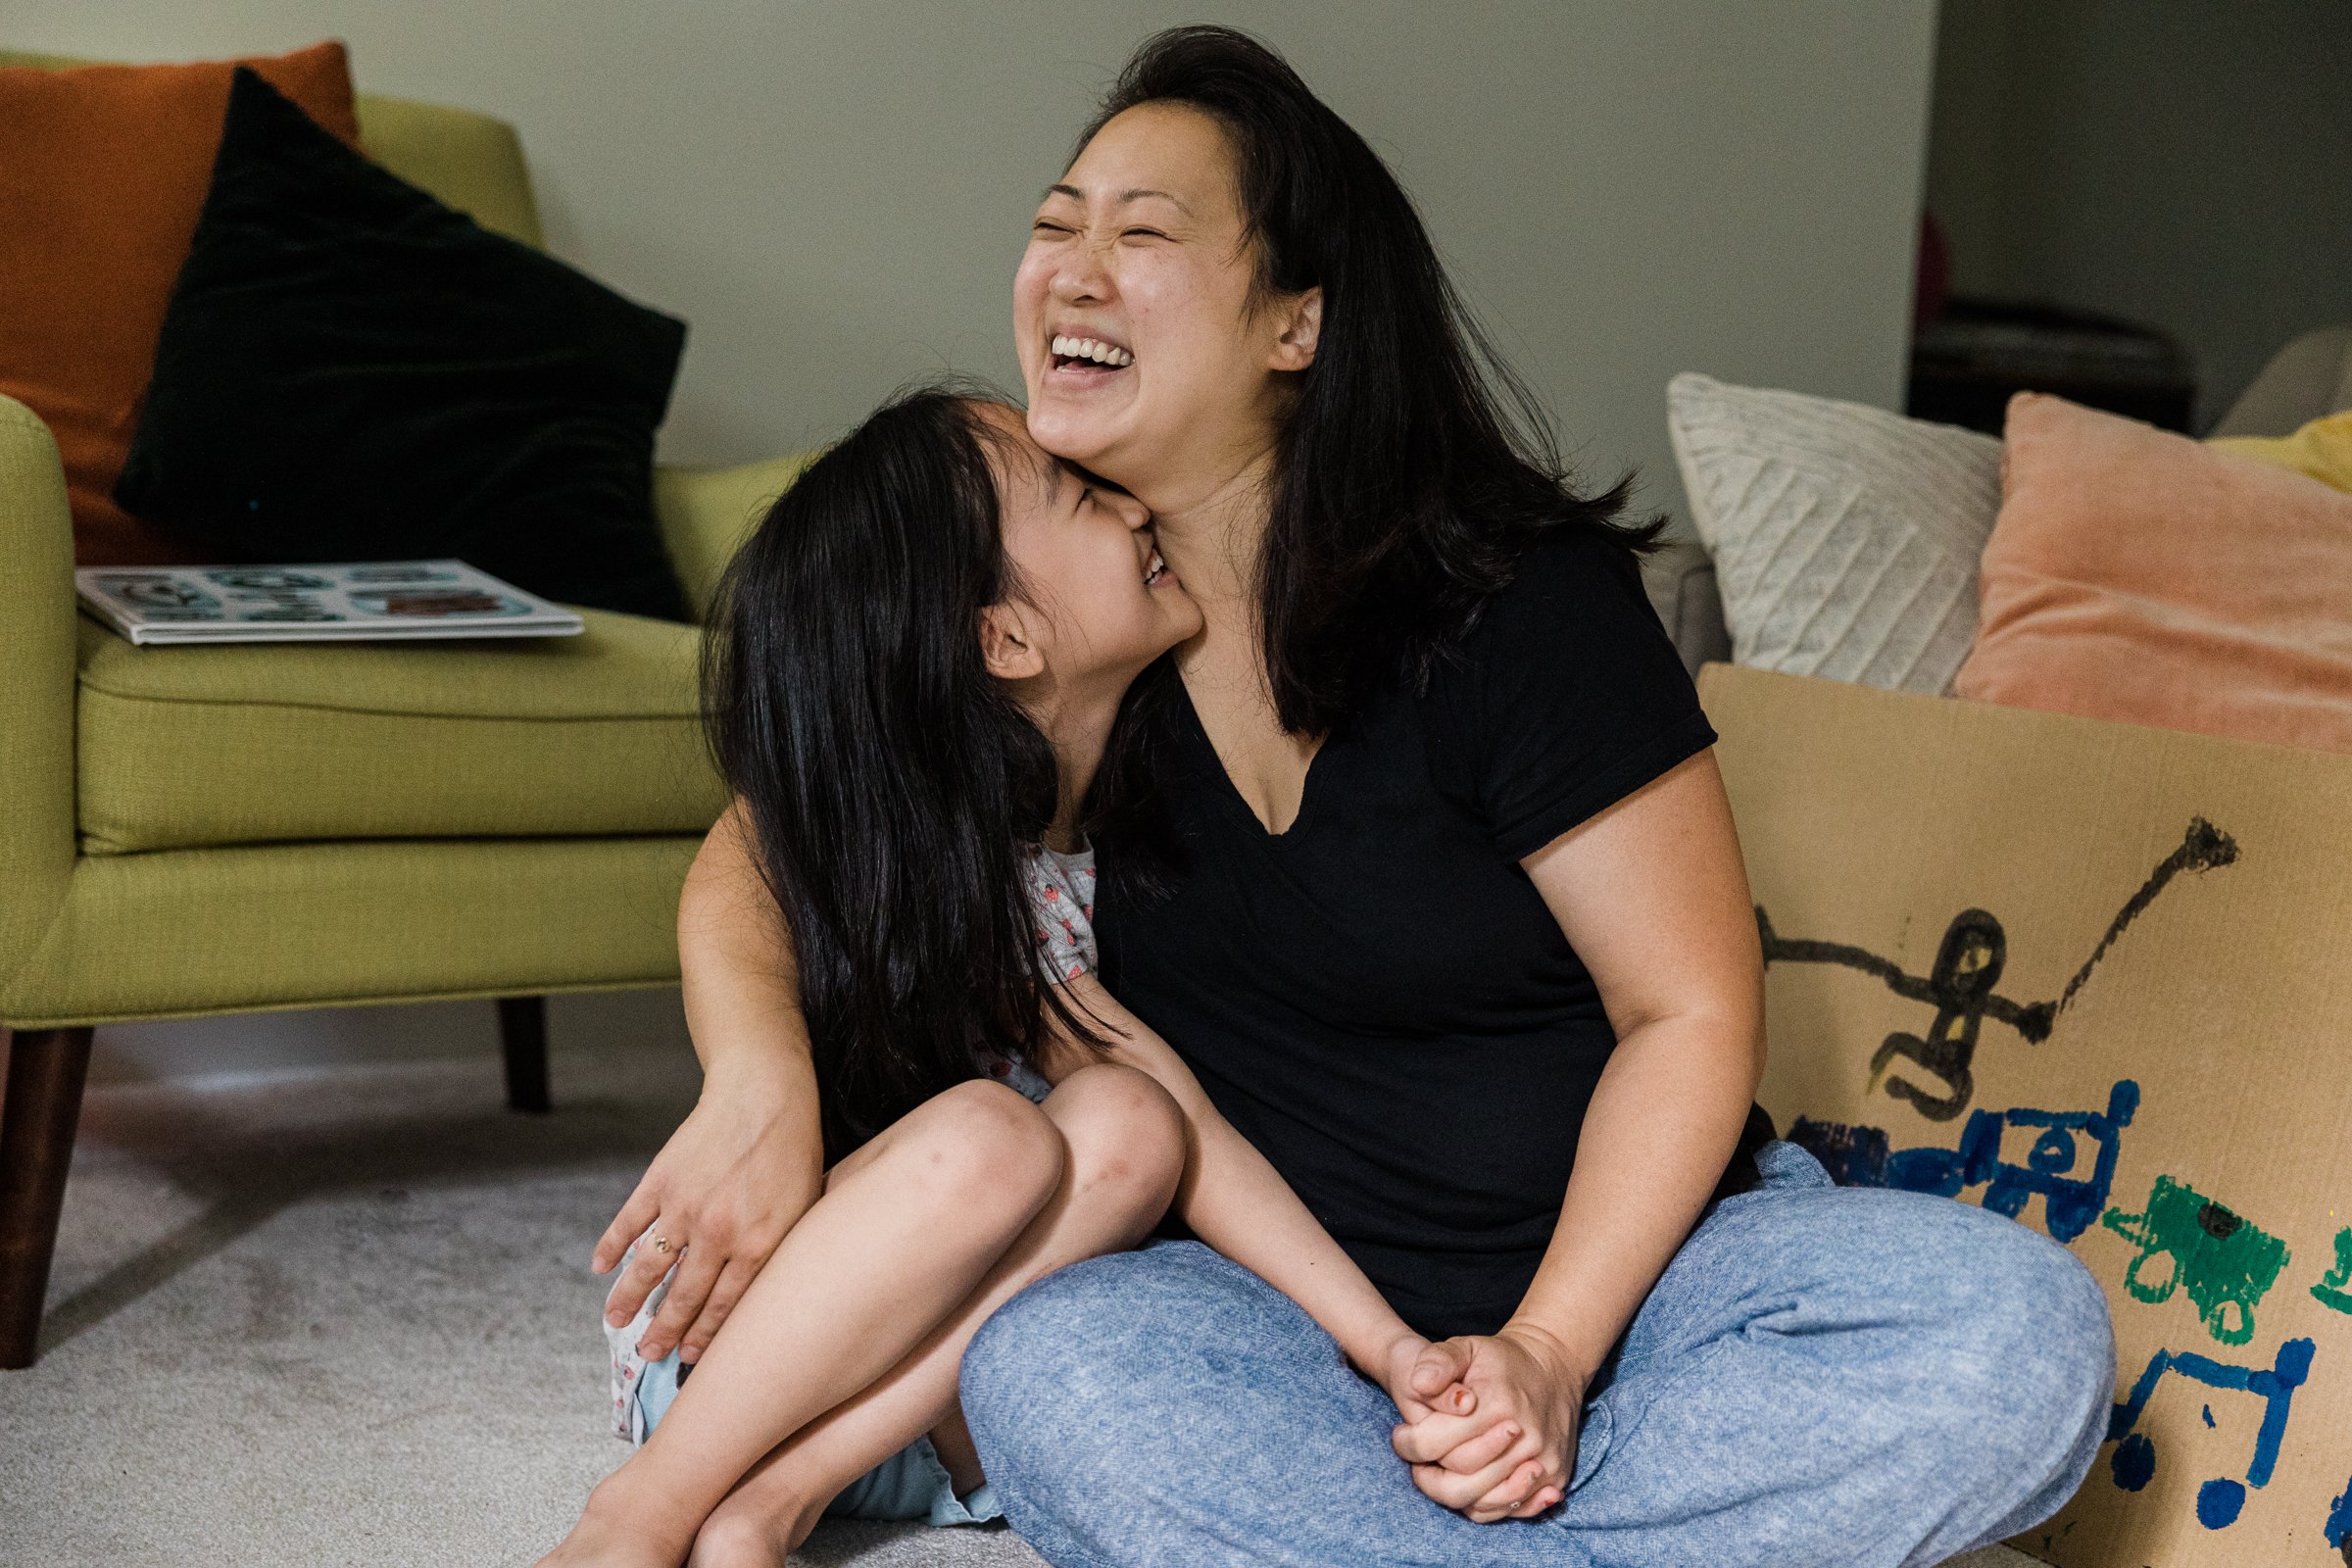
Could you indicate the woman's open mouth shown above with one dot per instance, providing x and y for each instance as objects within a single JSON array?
[
  {"x": 1155, "y": 570},
  {"x": 1088, "y": 360}
]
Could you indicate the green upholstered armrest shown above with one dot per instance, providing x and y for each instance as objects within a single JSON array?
[
  {"x": 706, "y": 514},
  {"x": 470, "y": 161},
  {"x": 36, "y": 687}
]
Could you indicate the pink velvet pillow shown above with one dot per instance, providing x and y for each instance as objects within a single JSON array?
[{"x": 2141, "y": 575}]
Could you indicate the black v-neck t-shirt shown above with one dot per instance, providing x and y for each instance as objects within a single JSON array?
[{"x": 1378, "y": 998}]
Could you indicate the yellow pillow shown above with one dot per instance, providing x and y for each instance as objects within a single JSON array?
[{"x": 2321, "y": 449}]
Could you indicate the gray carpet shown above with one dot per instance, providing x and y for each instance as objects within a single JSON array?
[{"x": 340, "y": 1314}]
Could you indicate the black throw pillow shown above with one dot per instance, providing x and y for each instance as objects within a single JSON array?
[{"x": 351, "y": 370}]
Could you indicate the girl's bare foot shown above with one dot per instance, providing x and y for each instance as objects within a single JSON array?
[
  {"x": 755, "y": 1528},
  {"x": 613, "y": 1533},
  {"x": 595, "y": 1544}
]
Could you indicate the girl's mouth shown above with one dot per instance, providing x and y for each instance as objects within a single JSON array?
[
  {"x": 1089, "y": 358},
  {"x": 1157, "y": 569}
]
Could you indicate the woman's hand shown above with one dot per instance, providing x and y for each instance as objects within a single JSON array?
[
  {"x": 1510, "y": 1456},
  {"x": 737, "y": 1174}
]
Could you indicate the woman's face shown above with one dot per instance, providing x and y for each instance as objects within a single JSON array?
[
  {"x": 1144, "y": 358},
  {"x": 1097, "y": 604}
]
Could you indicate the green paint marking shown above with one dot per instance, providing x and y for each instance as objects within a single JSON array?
[
  {"x": 2225, "y": 1262},
  {"x": 2330, "y": 1289}
]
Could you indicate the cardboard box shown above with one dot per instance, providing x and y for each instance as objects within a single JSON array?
[{"x": 2098, "y": 977}]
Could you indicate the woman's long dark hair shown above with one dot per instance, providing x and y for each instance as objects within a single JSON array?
[
  {"x": 1414, "y": 466},
  {"x": 891, "y": 779}
]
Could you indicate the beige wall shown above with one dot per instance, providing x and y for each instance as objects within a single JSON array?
[
  {"x": 833, "y": 194},
  {"x": 2172, "y": 160}
]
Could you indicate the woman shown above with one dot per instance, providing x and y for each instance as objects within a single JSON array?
[{"x": 1437, "y": 892}]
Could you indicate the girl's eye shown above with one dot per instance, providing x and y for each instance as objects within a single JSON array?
[{"x": 1145, "y": 233}]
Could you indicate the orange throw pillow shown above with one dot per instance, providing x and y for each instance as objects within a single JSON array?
[
  {"x": 2141, "y": 575},
  {"x": 103, "y": 171}
]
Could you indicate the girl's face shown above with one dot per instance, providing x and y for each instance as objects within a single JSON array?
[
  {"x": 1145, "y": 356},
  {"x": 1095, "y": 603}
]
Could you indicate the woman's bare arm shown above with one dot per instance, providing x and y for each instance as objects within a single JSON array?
[
  {"x": 748, "y": 1161},
  {"x": 1653, "y": 895}
]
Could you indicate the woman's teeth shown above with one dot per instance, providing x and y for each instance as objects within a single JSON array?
[
  {"x": 1158, "y": 566},
  {"x": 1086, "y": 347}
]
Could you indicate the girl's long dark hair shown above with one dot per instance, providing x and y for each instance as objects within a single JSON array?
[
  {"x": 1414, "y": 466},
  {"x": 890, "y": 779}
]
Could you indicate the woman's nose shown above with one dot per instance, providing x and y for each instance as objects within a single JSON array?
[{"x": 1082, "y": 279}]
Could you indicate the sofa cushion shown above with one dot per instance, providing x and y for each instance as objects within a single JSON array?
[
  {"x": 253, "y": 744},
  {"x": 2321, "y": 449},
  {"x": 103, "y": 171},
  {"x": 2139, "y": 575},
  {"x": 353, "y": 370},
  {"x": 1846, "y": 538}
]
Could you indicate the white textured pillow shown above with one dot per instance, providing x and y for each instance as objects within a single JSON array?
[{"x": 1846, "y": 538}]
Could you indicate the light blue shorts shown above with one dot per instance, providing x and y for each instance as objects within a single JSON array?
[{"x": 910, "y": 1485}]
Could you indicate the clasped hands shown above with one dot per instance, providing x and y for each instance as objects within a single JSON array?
[{"x": 1490, "y": 1422}]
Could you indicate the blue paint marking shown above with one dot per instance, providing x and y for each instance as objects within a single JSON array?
[
  {"x": 1860, "y": 1157},
  {"x": 2338, "y": 1529},
  {"x": 2218, "y": 1503},
  {"x": 2209, "y": 1415},
  {"x": 2134, "y": 1463},
  {"x": 2219, "y": 1500}
]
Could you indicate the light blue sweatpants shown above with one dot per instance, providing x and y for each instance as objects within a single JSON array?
[{"x": 1822, "y": 1376}]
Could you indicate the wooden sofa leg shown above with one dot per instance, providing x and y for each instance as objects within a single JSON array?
[
  {"x": 523, "y": 1032},
  {"x": 46, "y": 1070}
]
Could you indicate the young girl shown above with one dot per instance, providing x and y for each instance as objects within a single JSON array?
[{"x": 916, "y": 665}]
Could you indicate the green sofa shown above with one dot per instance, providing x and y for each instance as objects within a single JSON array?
[{"x": 211, "y": 830}]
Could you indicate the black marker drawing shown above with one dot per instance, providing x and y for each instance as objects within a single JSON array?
[
  {"x": 1968, "y": 961},
  {"x": 1968, "y": 965}
]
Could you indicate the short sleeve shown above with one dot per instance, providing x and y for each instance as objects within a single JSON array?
[
  {"x": 1061, "y": 901},
  {"x": 1571, "y": 695}
]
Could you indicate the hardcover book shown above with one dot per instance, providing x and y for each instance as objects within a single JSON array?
[{"x": 352, "y": 602}]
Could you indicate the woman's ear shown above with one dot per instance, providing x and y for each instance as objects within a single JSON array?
[
  {"x": 1005, "y": 646},
  {"x": 1302, "y": 325}
]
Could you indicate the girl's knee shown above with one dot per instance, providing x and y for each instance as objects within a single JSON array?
[
  {"x": 980, "y": 1142},
  {"x": 1124, "y": 1135}
]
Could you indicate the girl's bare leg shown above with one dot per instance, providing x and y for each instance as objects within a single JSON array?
[
  {"x": 1126, "y": 1152},
  {"x": 908, "y": 1227}
]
